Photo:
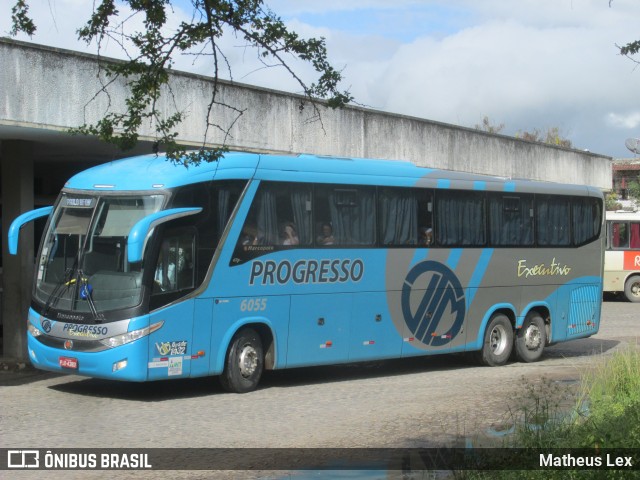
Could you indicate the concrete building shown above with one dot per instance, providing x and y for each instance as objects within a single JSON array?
[
  {"x": 44, "y": 91},
  {"x": 624, "y": 171}
]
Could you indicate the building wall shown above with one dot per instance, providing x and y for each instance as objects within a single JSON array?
[{"x": 52, "y": 89}]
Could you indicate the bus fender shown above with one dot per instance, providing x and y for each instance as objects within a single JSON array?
[
  {"x": 528, "y": 308},
  {"x": 477, "y": 343},
  {"x": 223, "y": 346}
]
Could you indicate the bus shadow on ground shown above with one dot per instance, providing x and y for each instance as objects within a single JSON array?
[
  {"x": 164, "y": 390},
  {"x": 583, "y": 347}
]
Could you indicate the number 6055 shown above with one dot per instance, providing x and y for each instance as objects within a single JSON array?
[{"x": 253, "y": 305}]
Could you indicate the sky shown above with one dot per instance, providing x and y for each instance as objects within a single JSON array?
[{"x": 527, "y": 64}]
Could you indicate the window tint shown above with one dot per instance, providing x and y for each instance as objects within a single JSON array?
[
  {"x": 280, "y": 215},
  {"x": 634, "y": 240},
  {"x": 586, "y": 216},
  {"x": 511, "y": 220},
  {"x": 619, "y": 235},
  {"x": 345, "y": 215},
  {"x": 398, "y": 209},
  {"x": 217, "y": 200},
  {"x": 174, "y": 266},
  {"x": 460, "y": 218},
  {"x": 552, "y": 221}
]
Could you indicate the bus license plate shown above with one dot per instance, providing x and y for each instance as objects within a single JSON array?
[{"x": 68, "y": 362}]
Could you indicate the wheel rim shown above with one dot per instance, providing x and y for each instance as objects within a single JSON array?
[
  {"x": 635, "y": 289},
  {"x": 498, "y": 340},
  {"x": 532, "y": 337},
  {"x": 248, "y": 361}
]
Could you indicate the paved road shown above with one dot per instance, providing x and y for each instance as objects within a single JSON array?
[{"x": 406, "y": 403}]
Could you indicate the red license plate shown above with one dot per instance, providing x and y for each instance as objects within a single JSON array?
[{"x": 68, "y": 362}]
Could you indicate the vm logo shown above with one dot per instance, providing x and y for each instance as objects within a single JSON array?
[{"x": 433, "y": 315}]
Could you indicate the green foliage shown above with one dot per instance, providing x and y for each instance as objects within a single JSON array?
[
  {"x": 633, "y": 189},
  {"x": 551, "y": 136},
  {"x": 614, "y": 394},
  {"x": 611, "y": 202},
  {"x": 152, "y": 57},
  {"x": 20, "y": 19},
  {"x": 629, "y": 49},
  {"x": 606, "y": 415}
]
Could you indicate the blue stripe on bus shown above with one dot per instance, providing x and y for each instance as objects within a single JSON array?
[
  {"x": 478, "y": 274},
  {"x": 444, "y": 183},
  {"x": 418, "y": 257},
  {"x": 454, "y": 258},
  {"x": 510, "y": 187},
  {"x": 477, "y": 185}
]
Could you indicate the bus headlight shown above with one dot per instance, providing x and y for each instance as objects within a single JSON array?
[
  {"x": 33, "y": 330},
  {"x": 129, "y": 337}
]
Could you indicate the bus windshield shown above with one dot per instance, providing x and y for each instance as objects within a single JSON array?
[{"x": 83, "y": 263}]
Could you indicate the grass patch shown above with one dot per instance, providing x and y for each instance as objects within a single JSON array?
[{"x": 604, "y": 413}]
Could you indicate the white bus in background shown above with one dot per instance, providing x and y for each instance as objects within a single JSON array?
[{"x": 622, "y": 255}]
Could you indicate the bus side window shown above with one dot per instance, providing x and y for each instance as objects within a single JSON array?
[
  {"x": 398, "y": 209},
  {"x": 350, "y": 211},
  {"x": 279, "y": 216},
  {"x": 175, "y": 266},
  {"x": 619, "y": 235},
  {"x": 511, "y": 220},
  {"x": 634, "y": 240},
  {"x": 460, "y": 218},
  {"x": 552, "y": 221}
]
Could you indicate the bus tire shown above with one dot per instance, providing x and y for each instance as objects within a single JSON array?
[
  {"x": 498, "y": 342},
  {"x": 244, "y": 363},
  {"x": 531, "y": 338},
  {"x": 632, "y": 288}
]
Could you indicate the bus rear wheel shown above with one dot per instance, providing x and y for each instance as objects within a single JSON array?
[
  {"x": 632, "y": 289},
  {"x": 244, "y": 362},
  {"x": 498, "y": 342},
  {"x": 531, "y": 338}
]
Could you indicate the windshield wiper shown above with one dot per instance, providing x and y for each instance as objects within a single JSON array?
[
  {"x": 85, "y": 292},
  {"x": 55, "y": 295}
]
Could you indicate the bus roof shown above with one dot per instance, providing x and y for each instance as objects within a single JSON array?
[
  {"x": 623, "y": 215},
  {"x": 149, "y": 172}
]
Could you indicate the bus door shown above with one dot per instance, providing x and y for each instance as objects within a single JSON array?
[
  {"x": 319, "y": 329},
  {"x": 171, "y": 347}
]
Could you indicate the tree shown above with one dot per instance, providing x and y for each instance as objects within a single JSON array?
[
  {"x": 551, "y": 136},
  {"x": 633, "y": 189},
  {"x": 630, "y": 48},
  {"x": 488, "y": 127},
  {"x": 151, "y": 53}
]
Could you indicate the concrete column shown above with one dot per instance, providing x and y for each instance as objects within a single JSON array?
[{"x": 16, "y": 159}]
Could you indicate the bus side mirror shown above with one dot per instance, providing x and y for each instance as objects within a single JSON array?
[
  {"x": 139, "y": 233},
  {"x": 16, "y": 225}
]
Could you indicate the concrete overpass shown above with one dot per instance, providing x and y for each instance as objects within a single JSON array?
[{"x": 44, "y": 91}]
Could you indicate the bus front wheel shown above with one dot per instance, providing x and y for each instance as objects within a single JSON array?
[
  {"x": 531, "y": 338},
  {"x": 244, "y": 363},
  {"x": 632, "y": 289},
  {"x": 498, "y": 342}
]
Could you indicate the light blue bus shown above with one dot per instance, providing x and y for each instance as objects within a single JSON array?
[{"x": 149, "y": 271}]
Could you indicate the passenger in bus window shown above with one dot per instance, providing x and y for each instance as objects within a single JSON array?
[
  {"x": 326, "y": 234},
  {"x": 426, "y": 236},
  {"x": 249, "y": 235},
  {"x": 289, "y": 235}
]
